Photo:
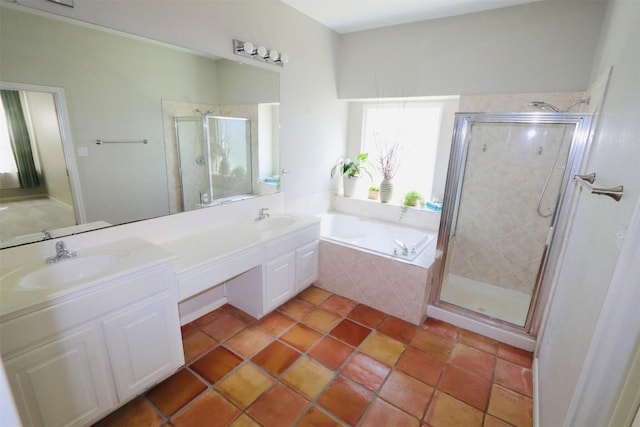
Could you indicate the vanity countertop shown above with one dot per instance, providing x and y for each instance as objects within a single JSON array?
[
  {"x": 210, "y": 244},
  {"x": 37, "y": 284}
]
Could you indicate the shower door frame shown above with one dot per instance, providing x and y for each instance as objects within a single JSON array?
[
  {"x": 559, "y": 222},
  {"x": 204, "y": 136}
]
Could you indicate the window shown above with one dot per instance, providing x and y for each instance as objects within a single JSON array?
[
  {"x": 8, "y": 167},
  {"x": 17, "y": 129},
  {"x": 415, "y": 128}
]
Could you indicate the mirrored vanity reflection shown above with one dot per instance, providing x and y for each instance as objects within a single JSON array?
[
  {"x": 215, "y": 159},
  {"x": 178, "y": 130}
]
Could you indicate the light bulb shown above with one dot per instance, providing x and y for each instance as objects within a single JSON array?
[
  {"x": 284, "y": 58},
  {"x": 262, "y": 51},
  {"x": 249, "y": 48},
  {"x": 274, "y": 55}
]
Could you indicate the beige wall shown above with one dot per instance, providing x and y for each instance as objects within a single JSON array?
[
  {"x": 239, "y": 84},
  {"x": 312, "y": 119},
  {"x": 545, "y": 46},
  {"x": 99, "y": 73},
  {"x": 597, "y": 240}
]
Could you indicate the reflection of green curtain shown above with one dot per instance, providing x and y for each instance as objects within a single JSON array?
[{"x": 27, "y": 171}]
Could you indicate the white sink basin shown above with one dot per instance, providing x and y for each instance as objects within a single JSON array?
[
  {"x": 34, "y": 283},
  {"x": 69, "y": 270},
  {"x": 276, "y": 221},
  {"x": 43, "y": 275}
]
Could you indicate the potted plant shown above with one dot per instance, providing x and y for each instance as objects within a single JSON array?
[
  {"x": 374, "y": 192},
  {"x": 412, "y": 198},
  {"x": 351, "y": 170}
]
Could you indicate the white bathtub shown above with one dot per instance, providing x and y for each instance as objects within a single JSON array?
[
  {"x": 375, "y": 236},
  {"x": 360, "y": 260}
]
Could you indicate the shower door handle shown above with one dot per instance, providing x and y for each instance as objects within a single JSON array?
[{"x": 587, "y": 181}]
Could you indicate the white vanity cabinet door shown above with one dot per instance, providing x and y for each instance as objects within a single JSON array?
[
  {"x": 279, "y": 280},
  {"x": 66, "y": 382},
  {"x": 144, "y": 344},
  {"x": 306, "y": 265}
]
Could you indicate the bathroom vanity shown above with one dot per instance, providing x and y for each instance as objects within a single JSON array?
[
  {"x": 261, "y": 264},
  {"x": 82, "y": 336}
]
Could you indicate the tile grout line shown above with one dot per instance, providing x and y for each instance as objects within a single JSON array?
[{"x": 337, "y": 373}]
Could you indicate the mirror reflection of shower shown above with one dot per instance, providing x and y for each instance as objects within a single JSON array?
[
  {"x": 215, "y": 159},
  {"x": 545, "y": 105}
]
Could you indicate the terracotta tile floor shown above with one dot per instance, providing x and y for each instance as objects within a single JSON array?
[{"x": 324, "y": 360}]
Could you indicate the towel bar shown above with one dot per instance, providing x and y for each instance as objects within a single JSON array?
[{"x": 101, "y": 141}]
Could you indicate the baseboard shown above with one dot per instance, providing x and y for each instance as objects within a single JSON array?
[
  {"x": 196, "y": 314},
  {"x": 60, "y": 202},
  {"x": 22, "y": 198}
]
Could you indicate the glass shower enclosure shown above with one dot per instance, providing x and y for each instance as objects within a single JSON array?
[
  {"x": 509, "y": 175},
  {"x": 215, "y": 159}
]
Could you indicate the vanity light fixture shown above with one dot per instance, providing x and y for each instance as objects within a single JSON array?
[
  {"x": 260, "y": 53},
  {"x": 248, "y": 48}
]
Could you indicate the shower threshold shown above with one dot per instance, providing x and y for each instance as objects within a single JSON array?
[{"x": 490, "y": 300}]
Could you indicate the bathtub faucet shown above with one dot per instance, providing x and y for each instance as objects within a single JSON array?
[
  {"x": 263, "y": 214},
  {"x": 405, "y": 249}
]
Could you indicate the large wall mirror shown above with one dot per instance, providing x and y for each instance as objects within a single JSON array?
[{"x": 103, "y": 128}]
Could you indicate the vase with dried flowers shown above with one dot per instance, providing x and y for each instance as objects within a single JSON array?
[{"x": 388, "y": 164}]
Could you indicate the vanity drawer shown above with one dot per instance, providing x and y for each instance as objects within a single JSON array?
[
  {"x": 21, "y": 332},
  {"x": 193, "y": 282},
  {"x": 292, "y": 241}
]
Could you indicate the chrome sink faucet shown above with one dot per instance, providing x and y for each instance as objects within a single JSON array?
[
  {"x": 263, "y": 214},
  {"x": 46, "y": 235},
  {"x": 61, "y": 253}
]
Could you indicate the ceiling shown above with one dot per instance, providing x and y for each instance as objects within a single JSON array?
[{"x": 347, "y": 16}]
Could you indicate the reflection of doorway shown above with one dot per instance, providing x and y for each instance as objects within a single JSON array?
[{"x": 55, "y": 201}]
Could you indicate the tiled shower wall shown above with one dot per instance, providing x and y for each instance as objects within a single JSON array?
[
  {"x": 391, "y": 286},
  {"x": 499, "y": 238}
]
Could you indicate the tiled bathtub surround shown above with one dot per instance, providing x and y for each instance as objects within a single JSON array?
[
  {"x": 391, "y": 286},
  {"x": 323, "y": 360}
]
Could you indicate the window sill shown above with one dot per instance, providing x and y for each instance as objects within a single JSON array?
[{"x": 418, "y": 217}]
